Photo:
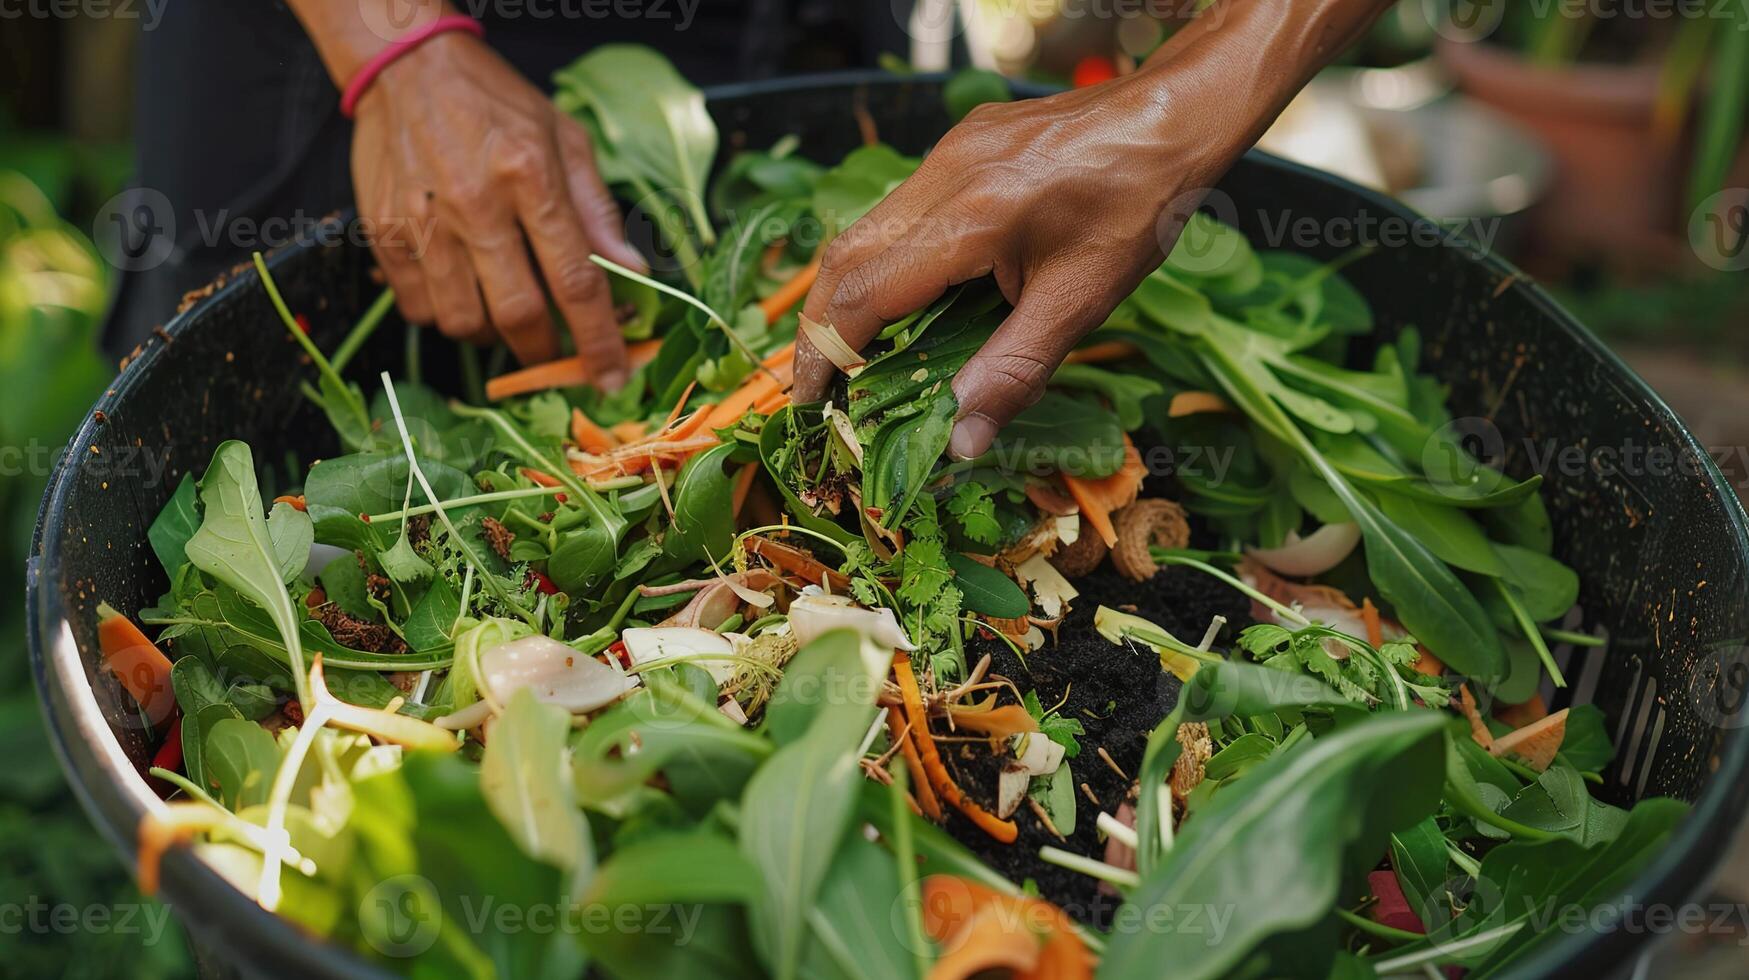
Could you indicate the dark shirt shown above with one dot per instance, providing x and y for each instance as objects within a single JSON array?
[{"x": 237, "y": 121}]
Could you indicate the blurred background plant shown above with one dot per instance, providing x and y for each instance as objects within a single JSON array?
[{"x": 53, "y": 287}]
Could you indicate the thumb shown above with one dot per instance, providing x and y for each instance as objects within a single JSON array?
[{"x": 1009, "y": 373}]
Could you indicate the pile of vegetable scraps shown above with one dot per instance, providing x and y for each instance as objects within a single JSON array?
[{"x": 1198, "y": 671}]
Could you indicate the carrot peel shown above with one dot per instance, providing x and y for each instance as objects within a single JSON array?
[{"x": 1003, "y": 830}]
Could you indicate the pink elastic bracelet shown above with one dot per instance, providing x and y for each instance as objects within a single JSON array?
[{"x": 356, "y": 88}]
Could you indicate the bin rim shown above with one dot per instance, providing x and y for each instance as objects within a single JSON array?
[{"x": 115, "y": 796}]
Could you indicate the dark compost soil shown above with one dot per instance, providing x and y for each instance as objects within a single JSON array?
[{"x": 1118, "y": 693}]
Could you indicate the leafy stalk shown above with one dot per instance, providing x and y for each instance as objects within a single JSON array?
[
  {"x": 492, "y": 584},
  {"x": 366, "y": 326}
]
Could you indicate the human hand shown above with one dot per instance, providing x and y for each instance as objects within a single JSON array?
[
  {"x": 452, "y": 143},
  {"x": 1068, "y": 201}
]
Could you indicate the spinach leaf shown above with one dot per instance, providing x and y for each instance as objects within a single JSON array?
[
  {"x": 972, "y": 87},
  {"x": 704, "y": 522},
  {"x": 898, "y": 460},
  {"x": 174, "y": 525},
  {"x": 1125, "y": 392},
  {"x": 522, "y": 776},
  {"x": 986, "y": 590},
  {"x": 861, "y": 180},
  {"x": 1061, "y": 434},
  {"x": 583, "y": 556},
  {"x": 241, "y": 758},
  {"x": 1586, "y": 745},
  {"x": 376, "y": 482},
  {"x": 1419, "y": 858},
  {"x": 1280, "y": 848},
  {"x": 1546, "y": 587},
  {"x": 851, "y": 924},
  {"x": 1447, "y": 531},
  {"x": 292, "y": 534},
  {"x": 234, "y": 547}
]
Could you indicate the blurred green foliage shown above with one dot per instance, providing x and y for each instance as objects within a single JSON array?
[{"x": 67, "y": 906}]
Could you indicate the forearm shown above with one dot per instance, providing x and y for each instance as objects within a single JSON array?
[
  {"x": 1256, "y": 55},
  {"x": 348, "y": 33}
]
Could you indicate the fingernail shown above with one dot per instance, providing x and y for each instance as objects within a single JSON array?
[
  {"x": 612, "y": 379},
  {"x": 972, "y": 436}
]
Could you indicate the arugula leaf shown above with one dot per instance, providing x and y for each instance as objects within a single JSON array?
[{"x": 233, "y": 545}]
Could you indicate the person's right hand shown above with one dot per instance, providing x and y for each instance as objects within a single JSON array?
[{"x": 466, "y": 170}]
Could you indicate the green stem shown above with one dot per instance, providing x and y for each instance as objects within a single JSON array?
[
  {"x": 1451, "y": 949},
  {"x": 482, "y": 498},
  {"x": 492, "y": 583},
  {"x": 1164, "y": 557},
  {"x": 1465, "y": 863},
  {"x": 905, "y": 853},
  {"x": 362, "y": 331},
  {"x": 1378, "y": 929},
  {"x": 354, "y": 401},
  {"x": 472, "y": 380},
  {"x": 184, "y": 784},
  {"x": 592, "y": 502},
  {"x": 1570, "y": 636},
  {"x": 1531, "y": 633},
  {"x": 1114, "y": 876},
  {"x": 410, "y": 354}
]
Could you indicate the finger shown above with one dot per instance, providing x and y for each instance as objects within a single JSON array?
[
  {"x": 596, "y": 209},
  {"x": 401, "y": 269},
  {"x": 578, "y": 286},
  {"x": 1010, "y": 371},
  {"x": 868, "y": 236},
  {"x": 890, "y": 282},
  {"x": 515, "y": 303},
  {"x": 453, "y": 290}
]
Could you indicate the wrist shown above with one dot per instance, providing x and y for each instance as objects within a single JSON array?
[{"x": 348, "y": 34}]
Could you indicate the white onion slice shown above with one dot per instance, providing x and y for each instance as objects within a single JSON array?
[
  {"x": 814, "y": 613},
  {"x": 1011, "y": 788},
  {"x": 831, "y": 345},
  {"x": 1314, "y": 554},
  {"x": 646, "y": 644},
  {"x": 1036, "y": 754},
  {"x": 556, "y": 673}
]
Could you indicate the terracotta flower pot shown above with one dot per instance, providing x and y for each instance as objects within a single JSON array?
[{"x": 1618, "y": 181}]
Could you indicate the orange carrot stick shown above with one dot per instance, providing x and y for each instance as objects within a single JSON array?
[
  {"x": 137, "y": 662},
  {"x": 1375, "y": 631},
  {"x": 588, "y": 436},
  {"x": 540, "y": 478},
  {"x": 297, "y": 502},
  {"x": 743, "y": 485},
  {"x": 1100, "y": 498},
  {"x": 1195, "y": 403},
  {"x": 1003, "y": 830},
  {"x": 791, "y": 292},
  {"x": 1102, "y": 352},
  {"x": 566, "y": 372},
  {"x": 927, "y": 801}
]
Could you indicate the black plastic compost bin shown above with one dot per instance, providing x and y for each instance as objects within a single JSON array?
[{"x": 1661, "y": 547}]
